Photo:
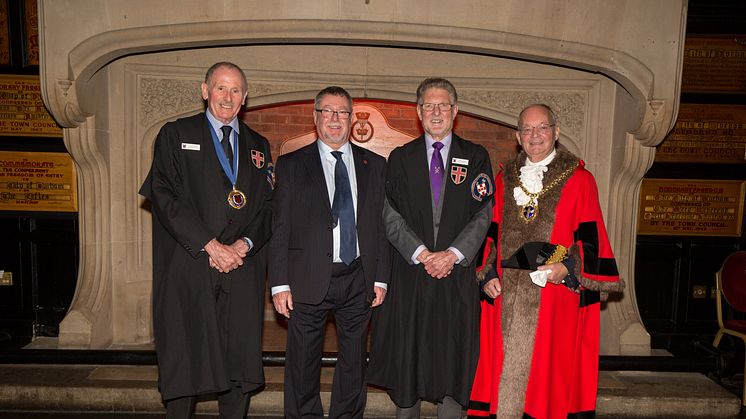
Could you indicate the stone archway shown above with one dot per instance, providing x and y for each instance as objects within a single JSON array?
[{"x": 111, "y": 74}]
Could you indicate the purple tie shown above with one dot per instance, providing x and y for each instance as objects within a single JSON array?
[{"x": 436, "y": 171}]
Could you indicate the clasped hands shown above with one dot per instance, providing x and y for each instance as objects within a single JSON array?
[
  {"x": 438, "y": 264},
  {"x": 226, "y": 258}
]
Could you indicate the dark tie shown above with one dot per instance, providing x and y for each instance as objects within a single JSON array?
[
  {"x": 436, "y": 171},
  {"x": 343, "y": 211},
  {"x": 226, "y": 143}
]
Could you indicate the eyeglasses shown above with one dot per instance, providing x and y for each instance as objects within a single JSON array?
[
  {"x": 429, "y": 107},
  {"x": 327, "y": 113},
  {"x": 542, "y": 129}
]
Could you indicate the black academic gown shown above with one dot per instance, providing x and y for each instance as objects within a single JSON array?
[
  {"x": 425, "y": 337},
  {"x": 200, "y": 350}
]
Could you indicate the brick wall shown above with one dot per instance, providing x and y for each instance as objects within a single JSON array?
[{"x": 280, "y": 122}]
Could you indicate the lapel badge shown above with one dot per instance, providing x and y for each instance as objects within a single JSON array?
[
  {"x": 257, "y": 157},
  {"x": 481, "y": 187},
  {"x": 458, "y": 174}
]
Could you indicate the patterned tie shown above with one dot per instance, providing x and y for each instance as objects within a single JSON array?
[
  {"x": 436, "y": 171},
  {"x": 343, "y": 211},
  {"x": 226, "y": 143}
]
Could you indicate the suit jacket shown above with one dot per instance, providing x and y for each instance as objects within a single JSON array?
[
  {"x": 188, "y": 192},
  {"x": 302, "y": 245}
]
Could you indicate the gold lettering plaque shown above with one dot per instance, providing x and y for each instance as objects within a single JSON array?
[
  {"x": 4, "y": 34},
  {"x": 706, "y": 134},
  {"x": 714, "y": 64},
  {"x": 675, "y": 207},
  {"x": 22, "y": 112},
  {"x": 31, "y": 32},
  {"x": 37, "y": 182},
  {"x": 6, "y": 278}
]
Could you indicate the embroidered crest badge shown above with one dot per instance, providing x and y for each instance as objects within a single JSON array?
[
  {"x": 257, "y": 157},
  {"x": 458, "y": 174},
  {"x": 482, "y": 187}
]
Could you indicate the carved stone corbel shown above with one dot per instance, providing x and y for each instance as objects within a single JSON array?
[{"x": 652, "y": 129}]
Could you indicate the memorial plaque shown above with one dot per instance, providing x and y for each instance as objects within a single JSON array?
[
  {"x": 22, "y": 112},
  {"x": 714, "y": 64},
  {"x": 675, "y": 207},
  {"x": 4, "y": 34},
  {"x": 31, "y": 32},
  {"x": 37, "y": 182},
  {"x": 706, "y": 134}
]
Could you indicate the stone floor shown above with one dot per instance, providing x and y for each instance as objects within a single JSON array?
[
  {"x": 31, "y": 391},
  {"x": 129, "y": 392}
]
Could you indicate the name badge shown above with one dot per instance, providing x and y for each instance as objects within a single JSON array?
[
  {"x": 190, "y": 146},
  {"x": 462, "y": 162}
]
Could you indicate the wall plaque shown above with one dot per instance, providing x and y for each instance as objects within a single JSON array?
[
  {"x": 22, "y": 112},
  {"x": 4, "y": 34},
  {"x": 31, "y": 32},
  {"x": 31, "y": 181},
  {"x": 675, "y": 207},
  {"x": 714, "y": 64},
  {"x": 706, "y": 134}
]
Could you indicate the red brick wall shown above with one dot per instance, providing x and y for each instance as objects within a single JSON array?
[{"x": 280, "y": 122}]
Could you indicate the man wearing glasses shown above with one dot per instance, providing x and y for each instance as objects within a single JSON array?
[
  {"x": 328, "y": 253},
  {"x": 439, "y": 203},
  {"x": 539, "y": 353}
]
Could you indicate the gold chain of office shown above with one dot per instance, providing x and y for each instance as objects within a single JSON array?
[{"x": 530, "y": 210}]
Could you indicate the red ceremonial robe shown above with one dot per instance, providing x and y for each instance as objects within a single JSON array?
[{"x": 558, "y": 376}]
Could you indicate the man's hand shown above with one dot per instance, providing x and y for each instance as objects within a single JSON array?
[
  {"x": 223, "y": 258},
  {"x": 241, "y": 247},
  {"x": 493, "y": 288},
  {"x": 380, "y": 296},
  {"x": 424, "y": 256},
  {"x": 283, "y": 302},
  {"x": 440, "y": 264},
  {"x": 558, "y": 273}
]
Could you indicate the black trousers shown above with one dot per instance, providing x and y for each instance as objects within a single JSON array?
[
  {"x": 346, "y": 298},
  {"x": 232, "y": 404}
]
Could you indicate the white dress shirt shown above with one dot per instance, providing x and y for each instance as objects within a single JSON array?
[{"x": 328, "y": 163}]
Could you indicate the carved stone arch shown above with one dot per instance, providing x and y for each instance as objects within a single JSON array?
[
  {"x": 95, "y": 52},
  {"x": 612, "y": 72}
]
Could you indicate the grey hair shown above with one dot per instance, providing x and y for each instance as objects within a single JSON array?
[
  {"x": 229, "y": 65},
  {"x": 436, "y": 83},
  {"x": 552, "y": 115},
  {"x": 333, "y": 91}
]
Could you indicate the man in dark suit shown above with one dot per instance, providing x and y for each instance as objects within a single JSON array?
[
  {"x": 210, "y": 186},
  {"x": 425, "y": 340},
  {"x": 328, "y": 253}
]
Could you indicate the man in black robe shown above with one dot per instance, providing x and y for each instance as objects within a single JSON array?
[
  {"x": 210, "y": 186},
  {"x": 425, "y": 341}
]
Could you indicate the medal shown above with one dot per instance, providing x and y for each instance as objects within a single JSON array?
[
  {"x": 236, "y": 198},
  {"x": 530, "y": 209}
]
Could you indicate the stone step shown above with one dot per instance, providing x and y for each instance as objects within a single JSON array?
[{"x": 133, "y": 389}]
